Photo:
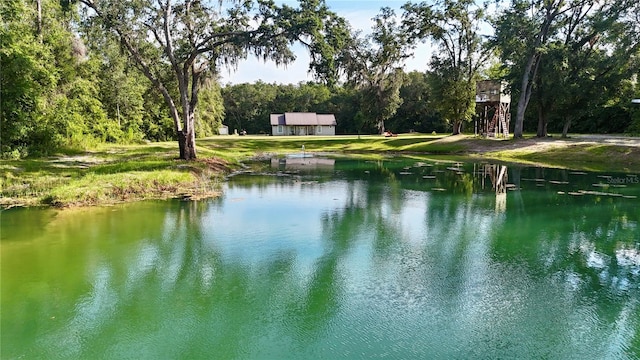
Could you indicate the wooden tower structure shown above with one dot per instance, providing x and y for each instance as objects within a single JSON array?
[{"x": 492, "y": 109}]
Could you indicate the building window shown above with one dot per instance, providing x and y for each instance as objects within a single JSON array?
[
  {"x": 319, "y": 129},
  {"x": 280, "y": 129}
]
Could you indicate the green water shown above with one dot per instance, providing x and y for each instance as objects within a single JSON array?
[{"x": 335, "y": 259}]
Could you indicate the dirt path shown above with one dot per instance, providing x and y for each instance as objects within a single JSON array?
[
  {"x": 480, "y": 146},
  {"x": 610, "y": 139}
]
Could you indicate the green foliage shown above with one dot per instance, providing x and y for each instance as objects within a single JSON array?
[
  {"x": 247, "y": 106},
  {"x": 455, "y": 99},
  {"x": 416, "y": 112},
  {"x": 374, "y": 69},
  {"x": 455, "y": 27},
  {"x": 344, "y": 104},
  {"x": 304, "y": 97},
  {"x": 191, "y": 38},
  {"x": 59, "y": 94},
  {"x": 581, "y": 76},
  {"x": 495, "y": 71},
  {"x": 50, "y": 86},
  {"x": 570, "y": 58},
  {"x": 157, "y": 124},
  {"x": 27, "y": 77},
  {"x": 634, "y": 127},
  {"x": 210, "y": 113},
  {"x": 329, "y": 37},
  {"x": 122, "y": 90}
]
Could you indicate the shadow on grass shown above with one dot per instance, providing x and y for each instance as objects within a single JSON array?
[
  {"x": 40, "y": 166},
  {"x": 311, "y": 143},
  {"x": 437, "y": 146},
  {"x": 410, "y": 141},
  {"x": 120, "y": 167}
]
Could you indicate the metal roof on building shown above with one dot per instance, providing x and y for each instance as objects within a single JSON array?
[
  {"x": 277, "y": 119},
  {"x": 303, "y": 119},
  {"x": 326, "y": 119}
]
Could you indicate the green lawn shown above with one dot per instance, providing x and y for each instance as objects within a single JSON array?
[
  {"x": 244, "y": 146},
  {"x": 118, "y": 173},
  {"x": 106, "y": 175}
]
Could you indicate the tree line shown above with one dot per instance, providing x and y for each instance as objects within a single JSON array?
[
  {"x": 75, "y": 73},
  {"x": 247, "y": 106}
]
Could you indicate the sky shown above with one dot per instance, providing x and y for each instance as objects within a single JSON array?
[{"x": 359, "y": 14}]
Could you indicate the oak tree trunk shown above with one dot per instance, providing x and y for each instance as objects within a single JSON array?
[
  {"x": 542, "y": 122},
  {"x": 531, "y": 68},
  {"x": 457, "y": 127},
  {"x": 565, "y": 128},
  {"x": 39, "y": 20},
  {"x": 187, "y": 145},
  {"x": 525, "y": 93},
  {"x": 381, "y": 127}
]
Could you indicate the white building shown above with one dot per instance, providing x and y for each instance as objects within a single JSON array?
[{"x": 298, "y": 123}]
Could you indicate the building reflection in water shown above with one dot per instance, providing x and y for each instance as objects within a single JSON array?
[{"x": 302, "y": 163}]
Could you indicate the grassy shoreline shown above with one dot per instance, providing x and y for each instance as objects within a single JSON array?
[{"x": 117, "y": 173}]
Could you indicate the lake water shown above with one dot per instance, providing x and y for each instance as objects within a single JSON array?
[{"x": 336, "y": 259}]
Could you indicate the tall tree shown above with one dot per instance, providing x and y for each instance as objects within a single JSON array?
[
  {"x": 374, "y": 67},
  {"x": 327, "y": 49},
  {"x": 526, "y": 27},
  {"x": 530, "y": 31},
  {"x": 194, "y": 37},
  {"x": 455, "y": 27},
  {"x": 602, "y": 49}
]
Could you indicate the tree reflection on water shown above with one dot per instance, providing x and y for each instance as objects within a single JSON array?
[{"x": 352, "y": 258}]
